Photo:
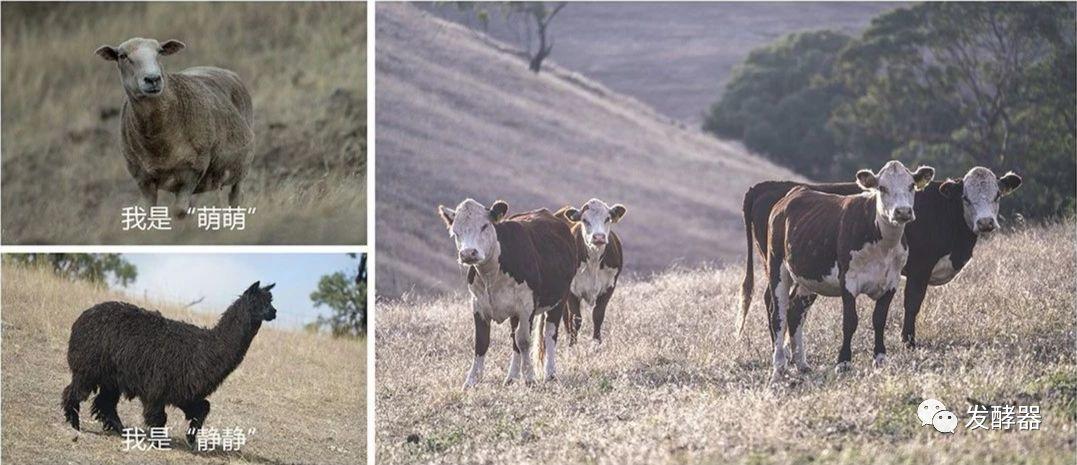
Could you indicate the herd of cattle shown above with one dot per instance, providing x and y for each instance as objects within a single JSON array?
[{"x": 838, "y": 240}]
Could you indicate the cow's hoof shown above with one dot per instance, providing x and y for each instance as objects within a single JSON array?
[
  {"x": 804, "y": 368},
  {"x": 777, "y": 376},
  {"x": 910, "y": 344},
  {"x": 551, "y": 378},
  {"x": 470, "y": 384},
  {"x": 879, "y": 362},
  {"x": 843, "y": 367},
  {"x": 509, "y": 381}
]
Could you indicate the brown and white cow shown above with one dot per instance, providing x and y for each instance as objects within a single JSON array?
[
  {"x": 518, "y": 268},
  {"x": 600, "y": 262},
  {"x": 953, "y": 214},
  {"x": 833, "y": 245}
]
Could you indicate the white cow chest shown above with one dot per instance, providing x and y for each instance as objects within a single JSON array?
[
  {"x": 499, "y": 297},
  {"x": 875, "y": 268},
  {"x": 591, "y": 279}
]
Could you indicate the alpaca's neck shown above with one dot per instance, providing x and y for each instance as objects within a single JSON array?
[{"x": 232, "y": 337}]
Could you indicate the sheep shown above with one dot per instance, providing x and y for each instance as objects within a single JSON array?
[
  {"x": 185, "y": 133},
  {"x": 119, "y": 348}
]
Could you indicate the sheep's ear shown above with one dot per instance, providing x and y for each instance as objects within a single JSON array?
[
  {"x": 866, "y": 179},
  {"x": 254, "y": 287},
  {"x": 923, "y": 176},
  {"x": 572, "y": 214},
  {"x": 952, "y": 188},
  {"x": 447, "y": 215},
  {"x": 1009, "y": 183},
  {"x": 171, "y": 46},
  {"x": 269, "y": 287},
  {"x": 498, "y": 211},
  {"x": 617, "y": 212},
  {"x": 108, "y": 52}
]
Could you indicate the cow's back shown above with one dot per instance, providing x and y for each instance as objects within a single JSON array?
[{"x": 813, "y": 230}]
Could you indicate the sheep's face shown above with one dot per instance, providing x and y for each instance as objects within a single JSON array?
[
  {"x": 261, "y": 302},
  {"x": 139, "y": 62}
]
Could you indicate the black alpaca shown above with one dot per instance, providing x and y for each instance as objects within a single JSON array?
[{"x": 118, "y": 348}]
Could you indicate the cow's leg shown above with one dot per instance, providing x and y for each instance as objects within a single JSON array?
[
  {"x": 572, "y": 317},
  {"x": 482, "y": 342},
  {"x": 798, "y": 312},
  {"x": 849, "y": 321},
  {"x": 514, "y": 363},
  {"x": 878, "y": 322},
  {"x": 768, "y": 301},
  {"x": 549, "y": 336},
  {"x": 781, "y": 283},
  {"x": 599, "y": 313},
  {"x": 523, "y": 342},
  {"x": 915, "y": 291}
]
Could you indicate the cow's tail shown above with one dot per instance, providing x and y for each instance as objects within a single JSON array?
[
  {"x": 747, "y": 287},
  {"x": 539, "y": 331}
]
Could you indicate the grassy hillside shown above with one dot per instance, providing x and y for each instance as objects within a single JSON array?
[
  {"x": 676, "y": 57},
  {"x": 303, "y": 393},
  {"x": 459, "y": 115},
  {"x": 673, "y": 385},
  {"x": 64, "y": 176}
]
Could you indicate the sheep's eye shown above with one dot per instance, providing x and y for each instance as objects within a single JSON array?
[{"x": 123, "y": 56}]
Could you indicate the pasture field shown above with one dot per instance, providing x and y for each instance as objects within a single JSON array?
[
  {"x": 303, "y": 393},
  {"x": 672, "y": 384},
  {"x": 64, "y": 176}
]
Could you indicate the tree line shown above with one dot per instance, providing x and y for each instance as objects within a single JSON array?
[{"x": 948, "y": 84}]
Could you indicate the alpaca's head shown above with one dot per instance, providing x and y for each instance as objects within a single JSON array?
[{"x": 260, "y": 302}]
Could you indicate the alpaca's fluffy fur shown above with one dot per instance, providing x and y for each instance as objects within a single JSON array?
[{"x": 118, "y": 348}]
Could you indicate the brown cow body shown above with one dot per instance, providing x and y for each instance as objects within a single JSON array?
[
  {"x": 841, "y": 246},
  {"x": 523, "y": 270}
]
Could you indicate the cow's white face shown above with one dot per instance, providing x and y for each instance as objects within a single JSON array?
[
  {"x": 980, "y": 192},
  {"x": 597, "y": 220},
  {"x": 895, "y": 190},
  {"x": 471, "y": 225}
]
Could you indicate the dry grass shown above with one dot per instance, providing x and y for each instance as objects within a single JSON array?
[
  {"x": 303, "y": 393},
  {"x": 64, "y": 178},
  {"x": 673, "y": 385}
]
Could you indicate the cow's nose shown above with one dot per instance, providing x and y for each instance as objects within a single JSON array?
[
  {"x": 903, "y": 214},
  {"x": 152, "y": 80},
  {"x": 598, "y": 238},
  {"x": 986, "y": 225},
  {"x": 469, "y": 255}
]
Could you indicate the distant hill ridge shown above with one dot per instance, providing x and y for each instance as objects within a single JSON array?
[{"x": 459, "y": 115}]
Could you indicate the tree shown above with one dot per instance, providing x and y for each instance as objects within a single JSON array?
[
  {"x": 536, "y": 18},
  {"x": 956, "y": 85},
  {"x": 778, "y": 101},
  {"x": 98, "y": 269},
  {"x": 344, "y": 293}
]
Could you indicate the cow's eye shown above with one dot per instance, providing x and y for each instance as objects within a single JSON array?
[
  {"x": 607, "y": 220},
  {"x": 966, "y": 199},
  {"x": 884, "y": 190},
  {"x": 912, "y": 186},
  {"x": 588, "y": 223},
  {"x": 484, "y": 227}
]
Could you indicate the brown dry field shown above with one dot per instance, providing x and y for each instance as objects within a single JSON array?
[
  {"x": 672, "y": 384},
  {"x": 64, "y": 177},
  {"x": 304, "y": 394}
]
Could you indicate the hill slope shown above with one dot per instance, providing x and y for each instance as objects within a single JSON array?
[
  {"x": 675, "y": 56},
  {"x": 302, "y": 393},
  {"x": 459, "y": 115},
  {"x": 671, "y": 384}
]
